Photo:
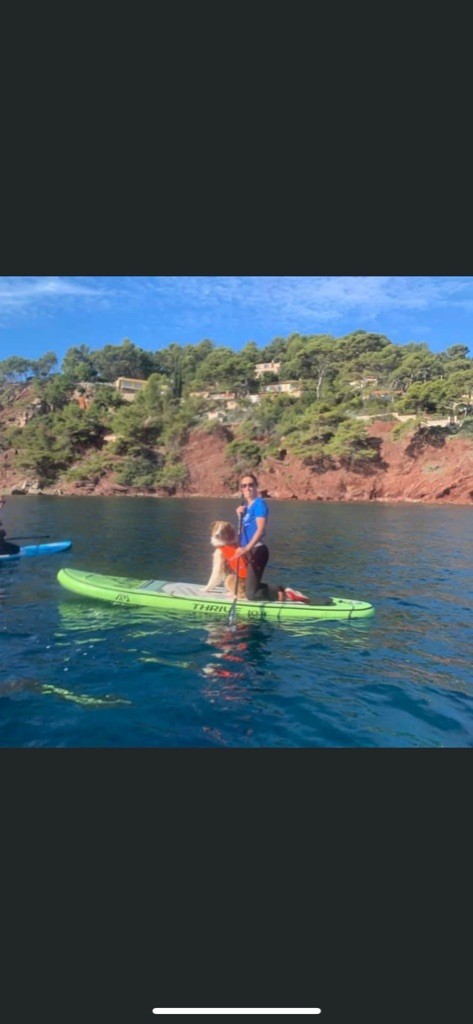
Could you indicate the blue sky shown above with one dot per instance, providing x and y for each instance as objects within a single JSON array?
[{"x": 41, "y": 314}]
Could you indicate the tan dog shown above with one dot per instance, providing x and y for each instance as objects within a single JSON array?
[{"x": 223, "y": 535}]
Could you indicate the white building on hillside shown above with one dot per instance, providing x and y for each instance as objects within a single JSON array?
[{"x": 261, "y": 368}]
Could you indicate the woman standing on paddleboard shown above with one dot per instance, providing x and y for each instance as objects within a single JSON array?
[{"x": 252, "y": 532}]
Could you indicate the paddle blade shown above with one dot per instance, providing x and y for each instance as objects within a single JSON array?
[{"x": 232, "y": 614}]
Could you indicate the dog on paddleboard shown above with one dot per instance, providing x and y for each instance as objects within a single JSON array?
[{"x": 224, "y": 540}]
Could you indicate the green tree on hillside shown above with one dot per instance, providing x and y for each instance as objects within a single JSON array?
[
  {"x": 192, "y": 357},
  {"x": 417, "y": 365},
  {"x": 317, "y": 359},
  {"x": 351, "y": 445},
  {"x": 130, "y": 423},
  {"x": 49, "y": 443},
  {"x": 42, "y": 367},
  {"x": 459, "y": 392},
  {"x": 79, "y": 364},
  {"x": 428, "y": 396},
  {"x": 273, "y": 352},
  {"x": 15, "y": 368},
  {"x": 54, "y": 392},
  {"x": 456, "y": 352},
  {"x": 223, "y": 368},
  {"x": 125, "y": 360}
]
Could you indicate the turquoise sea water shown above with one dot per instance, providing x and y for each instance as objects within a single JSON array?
[{"x": 78, "y": 673}]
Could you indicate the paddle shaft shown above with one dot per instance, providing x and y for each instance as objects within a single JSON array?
[
  {"x": 31, "y": 536},
  {"x": 232, "y": 612}
]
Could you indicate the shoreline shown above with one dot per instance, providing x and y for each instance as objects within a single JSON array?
[{"x": 235, "y": 497}]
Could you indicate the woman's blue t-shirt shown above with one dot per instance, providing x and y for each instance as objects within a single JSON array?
[{"x": 258, "y": 509}]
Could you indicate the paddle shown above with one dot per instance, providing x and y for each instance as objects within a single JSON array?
[
  {"x": 232, "y": 612},
  {"x": 32, "y": 536}
]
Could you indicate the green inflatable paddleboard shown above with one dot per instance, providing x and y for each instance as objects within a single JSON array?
[{"x": 190, "y": 598}]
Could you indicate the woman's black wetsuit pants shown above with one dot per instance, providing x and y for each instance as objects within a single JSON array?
[{"x": 256, "y": 590}]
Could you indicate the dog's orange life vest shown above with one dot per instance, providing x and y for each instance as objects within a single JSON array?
[{"x": 230, "y": 557}]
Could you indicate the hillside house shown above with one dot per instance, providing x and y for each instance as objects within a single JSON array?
[
  {"x": 128, "y": 387},
  {"x": 358, "y": 385},
  {"x": 261, "y": 368},
  {"x": 215, "y": 396},
  {"x": 380, "y": 393},
  {"x": 285, "y": 387}
]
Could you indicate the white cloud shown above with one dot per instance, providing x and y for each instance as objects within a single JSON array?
[
  {"x": 203, "y": 306},
  {"x": 327, "y": 298},
  {"x": 23, "y": 294}
]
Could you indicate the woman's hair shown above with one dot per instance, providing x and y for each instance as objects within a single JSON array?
[{"x": 252, "y": 477}]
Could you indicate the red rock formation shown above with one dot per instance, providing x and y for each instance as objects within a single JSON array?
[
  {"x": 429, "y": 472},
  {"x": 435, "y": 470}
]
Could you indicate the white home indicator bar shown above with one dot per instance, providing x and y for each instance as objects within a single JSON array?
[{"x": 186, "y": 1010}]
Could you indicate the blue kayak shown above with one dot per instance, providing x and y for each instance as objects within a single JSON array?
[{"x": 39, "y": 549}]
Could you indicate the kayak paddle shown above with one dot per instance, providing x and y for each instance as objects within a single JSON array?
[{"x": 32, "y": 536}]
